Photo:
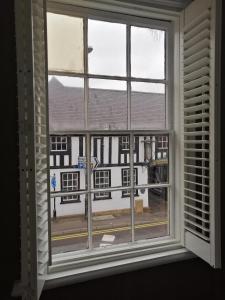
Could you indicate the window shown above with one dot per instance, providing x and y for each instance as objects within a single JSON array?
[
  {"x": 125, "y": 143},
  {"x": 162, "y": 142},
  {"x": 101, "y": 181},
  {"x": 58, "y": 143},
  {"x": 145, "y": 80},
  {"x": 126, "y": 181},
  {"x": 70, "y": 182}
]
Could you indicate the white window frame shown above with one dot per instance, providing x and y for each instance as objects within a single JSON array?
[
  {"x": 125, "y": 143},
  {"x": 126, "y": 174},
  {"x": 69, "y": 268},
  {"x": 98, "y": 185},
  {"x": 74, "y": 186},
  {"x": 163, "y": 141},
  {"x": 59, "y": 141}
]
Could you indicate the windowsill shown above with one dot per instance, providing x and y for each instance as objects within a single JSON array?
[{"x": 66, "y": 274}]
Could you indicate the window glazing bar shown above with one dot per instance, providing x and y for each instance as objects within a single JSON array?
[
  {"x": 112, "y": 189},
  {"x": 88, "y": 170},
  {"x": 128, "y": 50},
  {"x": 110, "y": 77},
  {"x": 85, "y": 37},
  {"x": 132, "y": 184}
]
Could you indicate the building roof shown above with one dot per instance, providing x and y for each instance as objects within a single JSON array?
[{"x": 107, "y": 109}]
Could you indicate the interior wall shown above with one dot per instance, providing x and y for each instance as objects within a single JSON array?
[{"x": 168, "y": 281}]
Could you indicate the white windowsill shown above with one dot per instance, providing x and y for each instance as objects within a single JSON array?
[{"x": 57, "y": 277}]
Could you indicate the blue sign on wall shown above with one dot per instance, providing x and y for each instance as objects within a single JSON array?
[{"x": 53, "y": 182}]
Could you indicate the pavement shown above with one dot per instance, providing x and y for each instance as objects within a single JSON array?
[{"x": 77, "y": 223}]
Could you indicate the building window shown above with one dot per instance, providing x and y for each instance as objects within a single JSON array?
[
  {"x": 102, "y": 179},
  {"x": 125, "y": 143},
  {"x": 58, "y": 143},
  {"x": 162, "y": 142},
  {"x": 126, "y": 181},
  {"x": 70, "y": 182}
]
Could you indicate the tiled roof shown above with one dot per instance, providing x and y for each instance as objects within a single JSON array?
[{"x": 107, "y": 109}]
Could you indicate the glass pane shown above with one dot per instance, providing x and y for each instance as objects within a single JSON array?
[
  {"x": 107, "y": 48},
  {"x": 107, "y": 106},
  {"x": 151, "y": 213},
  {"x": 110, "y": 159},
  {"x": 69, "y": 228},
  {"x": 66, "y": 104},
  {"x": 111, "y": 220},
  {"x": 68, "y": 212},
  {"x": 147, "y": 53},
  {"x": 65, "y": 43},
  {"x": 152, "y": 153},
  {"x": 148, "y": 106}
]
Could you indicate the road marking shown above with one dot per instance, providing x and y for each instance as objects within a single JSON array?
[{"x": 110, "y": 230}]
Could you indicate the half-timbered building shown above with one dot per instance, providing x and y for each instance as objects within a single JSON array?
[{"x": 110, "y": 153}]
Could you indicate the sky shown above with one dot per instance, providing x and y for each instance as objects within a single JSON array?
[{"x": 108, "y": 57}]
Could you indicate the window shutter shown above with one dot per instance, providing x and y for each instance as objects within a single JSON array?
[
  {"x": 200, "y": 145},
  {"x": 32, "y": 105}
]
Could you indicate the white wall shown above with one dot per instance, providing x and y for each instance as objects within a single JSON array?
[{"x": 117, "y": 202}]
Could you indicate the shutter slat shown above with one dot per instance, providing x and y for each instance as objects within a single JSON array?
[
  {"x": 195, "y": 167},
  {"x": 197, "y": 225},
  {"x": 205, "y": 43},
  {"x": 190, "y": 26},
  {"x": 196, "y": 116},
  {"x": 196, "y": 150},
  {"x": 196, "y": 200},
  {"x": 195, "y": 108},
  {"x": 196, "y": 83},
  {"x": 197, "y": 91},
  {"x": 196, "y": 125},
  {"x": 196, "y": 74},
  {"x": 196, "y": 158},
  {"x": 195, "y": 232},
  {"x": 201, "y": 26},
  {"x": 196, "y": 192},
  {"x": 196, "y": 37},
  {"x": 196, "y": 142},
  {"x": 196, "y": 217},
  {"x": 195, "y": 175},
  {"x": 196, "y": 61},
  {"x": 194, "y": 182}
]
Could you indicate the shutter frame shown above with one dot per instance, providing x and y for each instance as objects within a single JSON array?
[
  {"x": 33, "y": 149},
  {"x": 201, "y": 127}
]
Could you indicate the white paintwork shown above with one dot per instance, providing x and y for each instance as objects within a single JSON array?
[
  {"x": 66, "y": 160},
  {"x": 99, "y": 149},
  {"x": 115, "y": 153},
  {"x": 57, "y": 160},
  {"x": 106, "y": 149},
  {"x": 117, "y": 202},
  {"x": 141, "y": 148},
  {"x": 51, "y": 162},
  {"x": 75, "y": 152}
]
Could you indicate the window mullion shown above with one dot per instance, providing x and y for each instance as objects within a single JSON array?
[
  {"x": 86, "y": 93},
  {"x": 88, "y": 170},
  {"x": 132, "y": 183},
  {"x": 128, "y": 51}
]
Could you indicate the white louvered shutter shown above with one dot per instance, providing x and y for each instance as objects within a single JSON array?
[
  {"x": 32, "y": 103},
  {"x": 201, "y": 213}
]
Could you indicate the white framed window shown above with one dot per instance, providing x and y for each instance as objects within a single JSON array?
[
  {"x": 70, "y": 182},
  {"x": 194, "y": 139},
  {"x": 125, "y": 143},
  {"x": 102, "y": 179},
  {"x": 126, "y": 181},
  {"x": 58, "y": 143},
  {"x": 162, "y": 142}
]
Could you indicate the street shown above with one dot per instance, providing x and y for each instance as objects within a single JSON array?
[{"x": 106, "y": 237}]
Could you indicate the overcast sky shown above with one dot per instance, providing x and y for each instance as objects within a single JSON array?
[{"x": 108, "y": 57}]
